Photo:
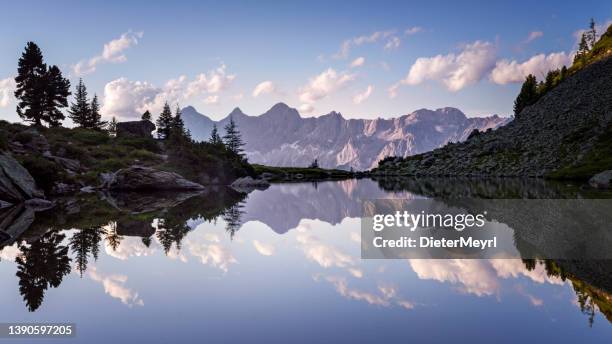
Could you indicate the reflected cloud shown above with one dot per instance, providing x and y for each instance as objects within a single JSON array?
[
  {"x": 130, "y": 247},
  {"x": 210, "y": 252},
  {"x": 325, "y": 255},
  {"x": 263, "y": 249},
  {"x": 474, "y": 276},
  {"x": 9, "y": 253},
  {"x": 513, "y": 268},
  {"x": 114, "y": 286},
  {"x": 341, "y": 286}
]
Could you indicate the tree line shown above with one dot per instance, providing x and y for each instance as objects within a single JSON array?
[
  {"x": 42, "y": 92},
  {"x": 532, "y": 90}
]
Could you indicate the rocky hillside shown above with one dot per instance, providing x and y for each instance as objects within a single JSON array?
[
  {"x": 281, "y": 137},
  {"x": 566, "y": 134}
]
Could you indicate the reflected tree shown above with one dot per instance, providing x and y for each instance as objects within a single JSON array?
[
  {"x": 112, "y": 238},
  {"x": 84, "y": 243},
  {"x": 41, "y": 265},
  {"x": 170, "y": 231},
  {"x": 233, "y": 218}
]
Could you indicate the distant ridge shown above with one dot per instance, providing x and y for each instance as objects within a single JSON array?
[{"x": 281, "y": 137}]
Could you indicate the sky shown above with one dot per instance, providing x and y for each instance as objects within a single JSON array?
[{"x": 364, "y": 59}]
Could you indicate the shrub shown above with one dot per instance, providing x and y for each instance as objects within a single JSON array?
[
  {"x": 90, "y": 137},
  {"x": 24, "y": 137},
  {"x": 139, "y": 143},
  {"x": 44, "y": 172}
]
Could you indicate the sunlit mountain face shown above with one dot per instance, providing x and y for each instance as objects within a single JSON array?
[
  {"x": 285, "y": 263},
  {"x": 282, "y": 137}
]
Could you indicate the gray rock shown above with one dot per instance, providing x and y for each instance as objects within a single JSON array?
[
  {"x": 146, "y": 178},
  {"x": 602, "y": 180},
  {"x": 16, "y": 183},
  {"x": 135, "y": 128},
  {"x": 38, "y": 204}
]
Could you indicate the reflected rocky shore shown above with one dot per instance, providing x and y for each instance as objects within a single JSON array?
[{"x": 52, "y": 243}]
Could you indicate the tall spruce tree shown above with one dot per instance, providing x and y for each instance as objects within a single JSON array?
[
  {"x": 80, "y": 110},
  {"x": 591, "y": 34},
  {"x": 528, "y": 94},
  {"x": 30, "y": 80},
  {"x": 232, "y": 138},
  {"x": 57, "y": 90},
  {"x": 164, "y": 122},
  {"x": 215, "y": 139},
  {"x": 95, "y": 118},
  {"x": 146, "y": 116}
]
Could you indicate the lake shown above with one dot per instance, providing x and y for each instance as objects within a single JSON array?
[{"x": 284, "y": 265}]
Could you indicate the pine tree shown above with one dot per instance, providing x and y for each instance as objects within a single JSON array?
[
  {"x": 57, "y": 90},
  {"x": 112, "y": 126},
  {"x": 30, "y": 80},
  {"x": 79, "y": 110},
  {"x": 215, "y": 139},
  {"x": 95, "y": 119},
  {"x": 164, "y": 122},
  {"x": 528, "y": 94},
  {"x": 591, "y": 34},
  {"x": 232, "y": 139},
  {"x": 146, "y": 116}
]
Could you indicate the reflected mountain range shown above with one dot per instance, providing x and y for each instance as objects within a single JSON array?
[{"x": 52, "y": 243}]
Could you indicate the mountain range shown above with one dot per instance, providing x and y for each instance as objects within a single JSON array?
[{"x": 281, "y": 137}]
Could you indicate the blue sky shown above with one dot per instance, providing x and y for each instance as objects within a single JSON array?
[{"x": 213, "y": 55}]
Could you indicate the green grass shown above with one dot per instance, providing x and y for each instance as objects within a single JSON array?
[{"x": 599, "y": 159}]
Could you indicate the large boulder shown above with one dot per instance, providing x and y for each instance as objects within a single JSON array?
[
  {"x": 135, "y": 128},
  {"x": 16, "y": 183},
  {"x": 140, "y": 178},
  {"x": 602, "y": 180}
]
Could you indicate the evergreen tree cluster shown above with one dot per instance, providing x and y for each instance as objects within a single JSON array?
[
  {"x": 171, "y": 127},
  {"x": 588, "y": 48},
  {"x": 41, "y": 91},
  {"x": 86, "y": 113}
]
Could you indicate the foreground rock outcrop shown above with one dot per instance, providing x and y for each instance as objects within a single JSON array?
[
  {"x": 142, "y": 178},
  {"x": 566, "y": 129},
  {"x": 16, "y": 183}
]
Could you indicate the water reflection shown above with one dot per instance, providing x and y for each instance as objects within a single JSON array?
[{"x": 317, "y": 222}]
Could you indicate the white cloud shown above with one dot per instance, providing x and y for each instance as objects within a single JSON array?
[
  {"x": 413, "y": 30},
  {"x": 324, "y": 84},
  {"x": 507, "y": 71},
  {"x": 128, "y": 99},
  {"x": 111, "y": 53},
  {"x": 263, "y": 248},
  {"x": 393, "y": 43},
  {"x": 215, "y": 81},
  {"x": 306, "y": 108},
  {"x": 264, "y": 87},
  {"x": 393, "y": 90},
  {"x": 359, "y": 98},
  {"x": 533, "y": 35},
  {"x": 7, "y": 88},
  {"x": 599, "y": 30},
  {"x": 211, "y": 100},
  {"x": 456, "y": 71},
  {"x": 358, "y": 62},
  {"x": 114, "y": 286},
  {"x": 357, "y": 41}
]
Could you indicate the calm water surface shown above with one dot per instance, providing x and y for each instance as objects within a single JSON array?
[{"x": 282, "y": 265}]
